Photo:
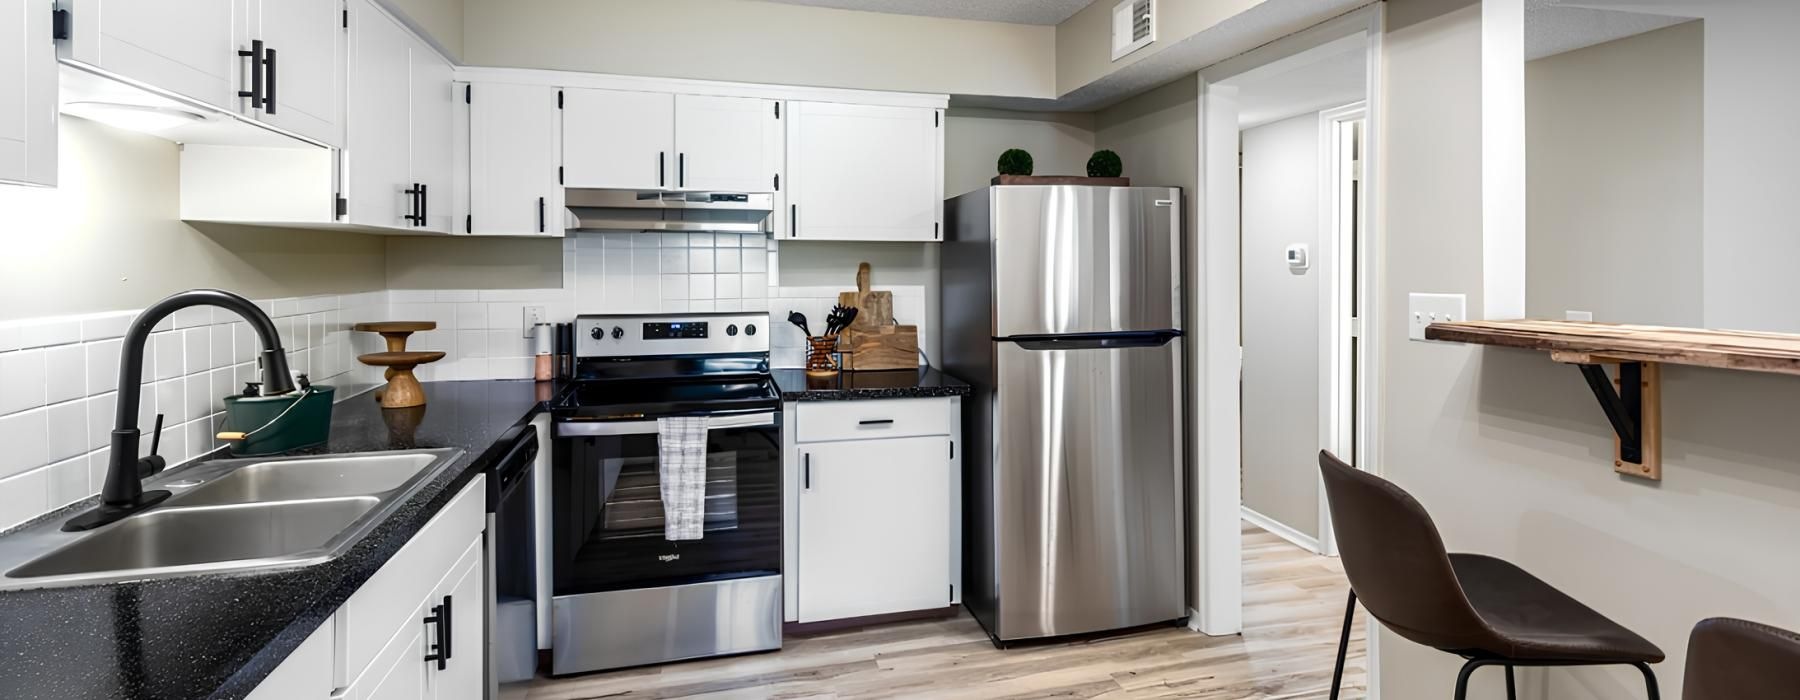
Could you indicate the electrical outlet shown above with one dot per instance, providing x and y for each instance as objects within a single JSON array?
[
  {"x": 1425, "y": 309},
  {"x": 1572, "y": 315},
  {"x": 533, "y": 315}
]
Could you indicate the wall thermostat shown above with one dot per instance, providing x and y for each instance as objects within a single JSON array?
[{"x": 1296, "y": 258}]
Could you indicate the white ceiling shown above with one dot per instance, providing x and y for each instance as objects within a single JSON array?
[
  {"x": 1046, "y": 12},
  {"x": 1333, "y": 78},
  {"x": 1552, "y": 28}
]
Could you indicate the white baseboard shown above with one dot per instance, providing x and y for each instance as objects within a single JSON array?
[{"x": 1300, "y": 539}]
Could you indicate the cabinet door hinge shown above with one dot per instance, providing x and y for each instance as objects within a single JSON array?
[
  {"x": 60, "y": 25},
  {"x": 468, "y": 223},
  {"x": 559, "y": 99},
  {"x": 777, "y": 182},
  {"x": 340, "y": 206},
  {"x": 468, "y": 94}
]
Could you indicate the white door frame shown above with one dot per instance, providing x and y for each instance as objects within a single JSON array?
[
  {"x": 1338, "y": 165},
  {"x": 1218, "y": 361}
]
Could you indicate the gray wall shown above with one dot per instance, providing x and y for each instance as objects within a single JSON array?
[
  {"x": 1281, "y": 331},
  {"x": 1508, "y": 450},
  {"x": 107, "y": 238},
  {"x": 1060, "y": 144},
  {"x": 1613, "y": 208}
]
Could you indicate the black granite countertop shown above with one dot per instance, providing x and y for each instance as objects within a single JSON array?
[
  {"x": 797, "y": 385},
  {"x": 219, "y": 635}
]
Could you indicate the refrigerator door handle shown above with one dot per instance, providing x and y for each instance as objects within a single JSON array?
[{"x": 1094, "y": 341}]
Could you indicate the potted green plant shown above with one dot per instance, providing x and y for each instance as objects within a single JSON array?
[
  {"x": 1105, "y": 163},
  {"x": 1015, "y": 161}
]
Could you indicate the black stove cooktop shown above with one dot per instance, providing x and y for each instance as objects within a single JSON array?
[{"x": 637, "y": 399}]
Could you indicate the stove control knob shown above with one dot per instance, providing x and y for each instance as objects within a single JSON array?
[
  {"x": 749, "y": 329},
  {"x": 618, "y": 333},
  {"x": 731, "y": 329},
  {"x": 597, "y": 334}
]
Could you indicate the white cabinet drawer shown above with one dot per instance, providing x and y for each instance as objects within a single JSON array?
[
  {"x": 386, "y": 603},
  {"x": 817, "y": 421}
]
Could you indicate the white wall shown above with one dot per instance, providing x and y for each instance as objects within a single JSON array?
[
  {"x": 442, "y": 20},
  {"x": 1060, "y": 143},
  {"x": 1613, "y": 180},
  {"x": 1508, "y": 451},
  {"x": 1281, "y": 324},
  {"x": 1084, "y": 40},
  {"x": 763, "y": 43}
]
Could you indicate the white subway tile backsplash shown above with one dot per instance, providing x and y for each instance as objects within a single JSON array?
[
  {"x": 702, "y": 260},
  {"x": 26, "y": 436},
  {"x": 68, "y": 482},
  {"x": 104, "y": 326},
  {"x": 471, "y": 315},
  {"x": 674, "y": 260},
  {"x": 674, "y": 240},
  {"x": 219, "y": 342},
  {"x": 47, "y": 332},
  {"x": 165, "y": 348},
  {"x": 21, "y": 380},
  {"x": 68, "y": 430},
  {"x": 472, "y": 343},
  {"x": 756, "y": 286},
  {"x": 23, "y": 497},
  {"x": 196, "y": 343},
  {"x": 728, "y": 287},
  {"x": 10, "y": 333},
  {"x": 727, "y": 260},
  {"x": 193, "y": 317},
  {"x": 65, "y": 373},
  {"x": 755, "y": 261},
  {"x": 700, "y": 288},
  {"x": 171, "y": 400},
  {"x": 674, "y": 287},
  {"x": 700, "y": 240}
]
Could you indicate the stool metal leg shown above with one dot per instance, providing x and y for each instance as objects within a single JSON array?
[
  {"x": 1649, "y": 681},
  {"x": 1337, "y": 675},
  {"x": 1462, "y": 678},
  {"x": 1512, "y": 691}
]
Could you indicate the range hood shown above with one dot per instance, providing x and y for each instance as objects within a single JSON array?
[{"x": 640, "y": 210}]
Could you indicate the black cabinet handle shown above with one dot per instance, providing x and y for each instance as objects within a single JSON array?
[
  {"x": 269, "y": 65},
  {"x": 681, "y": 170},
  {"x": 662, "y": 159},
  {"x": 794, "y": 220},
  {"x": 439, "y": 619},
  {"x": 882, "y": 421},
  {"x": 806, "y": 472},
  {"x": 413, "y": 213},
  {"x": 256, "y": 73},
  {"x": 449, "y": 630},
  {"x": 540, "y": 215},
  {"x": 424, "y": 203}
]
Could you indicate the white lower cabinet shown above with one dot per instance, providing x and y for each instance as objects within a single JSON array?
[
  {"x": 414, "y": 631},
  {"x": 874, "y": 516}
]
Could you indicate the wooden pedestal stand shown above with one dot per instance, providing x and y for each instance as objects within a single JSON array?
[{"x": 403, "y": 389}]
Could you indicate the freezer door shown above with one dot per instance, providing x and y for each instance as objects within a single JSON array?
[
  {"x": 1087, "y": 486},
  {"x": 1078, "y": 259}
]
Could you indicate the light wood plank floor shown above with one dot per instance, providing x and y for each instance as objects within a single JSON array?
[{"x": 1293, "y": 607}]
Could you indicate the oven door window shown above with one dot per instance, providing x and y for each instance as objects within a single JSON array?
[{"x": 608, "y": 523}]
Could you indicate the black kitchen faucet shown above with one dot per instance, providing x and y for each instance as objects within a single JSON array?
[{"x": 124, "y": 492}]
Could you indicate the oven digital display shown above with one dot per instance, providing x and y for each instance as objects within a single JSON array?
[{"x": 662, "y": 331}]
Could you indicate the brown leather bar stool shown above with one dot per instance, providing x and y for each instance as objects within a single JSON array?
[
  {"x": 1477, "y": 607},
  {"x": 1731, "y": 659}
]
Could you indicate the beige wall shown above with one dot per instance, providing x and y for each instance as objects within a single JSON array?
[
  {"x": 1281, "y": 329},
  {"x": 1084, "y": 41},
  {"x": 1060, "y": 144},
  {"x": 107, "y": 238},
  {"x": 442, "y": 19},
  {"x": 763, "y": 43},
  {"x": 1613, "y": 180},
  {"x": 474, "y": 263},
  {"x": 1508, "y": 450}
]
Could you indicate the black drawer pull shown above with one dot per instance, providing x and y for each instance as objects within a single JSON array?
[
  {"x": 806, "y": 472},
  {"x": 269, "y": 96},
  {"x": 883, "y": 421}
]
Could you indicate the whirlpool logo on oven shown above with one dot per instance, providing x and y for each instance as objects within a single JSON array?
[{"x": 666, "y": 558}]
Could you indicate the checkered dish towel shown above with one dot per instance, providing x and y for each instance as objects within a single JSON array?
[{"x": 681, "y": 447}]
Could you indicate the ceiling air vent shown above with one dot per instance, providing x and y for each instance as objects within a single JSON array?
[{"x": 1134, "y": 26}]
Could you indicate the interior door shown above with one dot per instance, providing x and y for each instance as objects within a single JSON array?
[
  {"x": 1088, "y": 485},
  {"x": 378, "y": 132},
  {"x": 183, "y": 46},
  {"x": 859, "y": 172},
  {"x": 874, "y": 523},
  {"x": 433, "y": 109},
  {"x": 512, "y": 160},
  {"x": 726, "y": 143},
  {"x": 306, "y": 38},
  {"x": 619, "y": 139}
]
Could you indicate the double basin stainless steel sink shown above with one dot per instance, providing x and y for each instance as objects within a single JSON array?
[{"x": 229, "y": 515}]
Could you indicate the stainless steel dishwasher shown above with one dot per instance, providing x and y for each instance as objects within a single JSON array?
[{"x": 511, "y": 564}]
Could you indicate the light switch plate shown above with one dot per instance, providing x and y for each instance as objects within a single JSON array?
[
  {"x": 533, "y": 315},
  {"x": 1425, "y": 309}
]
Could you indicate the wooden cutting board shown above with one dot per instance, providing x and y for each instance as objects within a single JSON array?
[
  {"x": 872, "y": 308},
  {"x": 880, "y": 347}
]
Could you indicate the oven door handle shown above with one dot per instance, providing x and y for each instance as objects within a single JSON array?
[{"x": 648, "y": 427}]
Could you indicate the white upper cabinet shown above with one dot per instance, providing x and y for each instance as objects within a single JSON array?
[
  {"x": 653, "y": 140},
  {"x": 726, "y": 143},
  {"x": 619, "y": 139},
  {"x": 434, "y": 98},
  {"x": 27, "y": 94},
  {"x": 181, "y": 46},
  {"x": 302, "y": 66},
  {"x": 378, "y": 135},
  {"x": 513, "y": 149},
  {"x": 864, "y": 173}
]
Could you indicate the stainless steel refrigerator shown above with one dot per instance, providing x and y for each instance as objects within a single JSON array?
[{"x": 1062, "y": 306}]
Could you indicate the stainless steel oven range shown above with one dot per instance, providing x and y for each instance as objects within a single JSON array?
[{"x": 623, "y": 592}]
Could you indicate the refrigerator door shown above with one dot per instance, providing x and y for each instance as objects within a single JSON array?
[
  {"x": 1079, "y": 259},
  {"x": 1087, "y": 485}
]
